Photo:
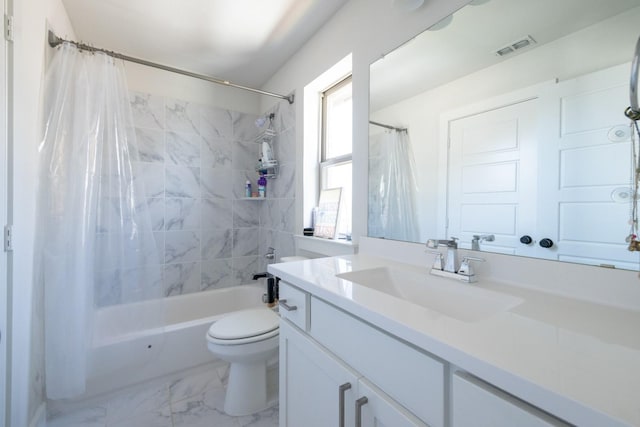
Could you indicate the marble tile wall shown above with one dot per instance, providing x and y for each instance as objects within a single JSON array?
[{"x": 194, "y": 161}]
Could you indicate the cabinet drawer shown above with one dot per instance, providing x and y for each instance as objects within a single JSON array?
[
  {"x": 478, "y": 404},
  {"x": 294, "y": 305},
  {"x": 409, "y": 376}
]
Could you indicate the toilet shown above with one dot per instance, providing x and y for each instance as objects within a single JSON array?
[{"x": 247, "y": 339}]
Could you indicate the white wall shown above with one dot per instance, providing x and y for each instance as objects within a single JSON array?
[
  {"x": 30, "y": 19},
  {"x": 367, "y": 29}
]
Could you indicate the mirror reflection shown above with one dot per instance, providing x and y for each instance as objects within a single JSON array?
[{"x": 503, "y": 125}]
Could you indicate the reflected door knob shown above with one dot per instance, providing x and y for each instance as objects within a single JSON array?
[
  {"x": 546, "y": 243},
  {"x": 526, "y": 240}
]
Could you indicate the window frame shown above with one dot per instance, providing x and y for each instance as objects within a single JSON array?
[
  {"x": 323, "y": 124},
  {"x": 325, "y": 163}
]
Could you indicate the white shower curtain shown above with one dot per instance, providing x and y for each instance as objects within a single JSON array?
[
  {"x": 398, "y": 188},
  {"x": 94, "y": 233}
]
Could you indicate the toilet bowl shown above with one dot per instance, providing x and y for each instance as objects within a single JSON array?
[{"x": 247, "y": 339}]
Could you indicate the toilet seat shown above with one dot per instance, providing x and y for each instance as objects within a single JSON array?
[{"x": 244, "y": 326}]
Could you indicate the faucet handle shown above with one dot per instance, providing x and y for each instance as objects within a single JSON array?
[
  {"x": 438, "y": 260},
  {"x": 466, "y": 268}
]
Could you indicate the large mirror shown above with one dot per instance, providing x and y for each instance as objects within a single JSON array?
[{"x": 510, "y": 113}]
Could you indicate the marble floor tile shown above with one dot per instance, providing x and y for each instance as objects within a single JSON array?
[
  {"x": 223, "y": 373},
  {"x": 148, "y": 400},
  {"x": 151, "y": 419},
  {"x": 203, "y": 411},
  {"x": 194, "y": 385},
  {"x": 196, "y": 399},
  {"x": 266, "y": 418}
]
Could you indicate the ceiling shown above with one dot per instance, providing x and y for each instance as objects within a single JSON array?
[
  {"x": 469, "y": 42},
  {"x": 243, "y": 41}
]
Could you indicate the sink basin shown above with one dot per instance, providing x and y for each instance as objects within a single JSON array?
[{"x": 464, "y": 302}]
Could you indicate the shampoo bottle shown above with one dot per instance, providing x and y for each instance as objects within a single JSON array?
[
  {"x": 247, "y": 189},
  {"x": 262, "y": 186}
]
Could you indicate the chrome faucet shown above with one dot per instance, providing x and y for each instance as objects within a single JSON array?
[
  {"x": 449, "y": 267},
  {"x": 451, "y": 262}
]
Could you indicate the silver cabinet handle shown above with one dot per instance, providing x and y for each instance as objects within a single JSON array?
[
  {"x": 359, "y": 404},
  {"x": 342, "y": 389},
  {"x": 283, "y": 303}
]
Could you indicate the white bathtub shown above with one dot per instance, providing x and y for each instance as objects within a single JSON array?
[{"x": 120, "y": 358}]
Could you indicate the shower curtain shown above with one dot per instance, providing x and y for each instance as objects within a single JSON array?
[
  {"x": 398, "y": 188},
  {"x": 94, "y": 233}
]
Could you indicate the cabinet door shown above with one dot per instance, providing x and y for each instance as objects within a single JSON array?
[
  {"x": 310, "y": 383},
  {"x": 376, "y": 409},
  {"x": 477, "y": 404},
  {"x": 408, "y": 376}
]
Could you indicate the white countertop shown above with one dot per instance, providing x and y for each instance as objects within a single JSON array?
[{"x": 577, "y": 360}]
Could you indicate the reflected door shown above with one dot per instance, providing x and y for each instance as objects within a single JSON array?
[
  {"x": 550, "y": 168},
  {"x": 492, "y": 183},
  {"x": 590, "y": 157}
]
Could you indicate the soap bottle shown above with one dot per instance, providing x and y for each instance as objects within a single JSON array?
[
  {"x": 262, "y": 186},
  {"x": 247, "y": 189}
]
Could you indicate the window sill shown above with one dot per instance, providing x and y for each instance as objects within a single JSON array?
[{"x": 325, "y": 247}]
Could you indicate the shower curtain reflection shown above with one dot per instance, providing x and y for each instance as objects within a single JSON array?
[
  {"x": 94, "y": 232},
  {"x": 392, "y": 207}
]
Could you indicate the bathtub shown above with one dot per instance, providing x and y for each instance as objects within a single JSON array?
[{"x": 121, "y": 358}]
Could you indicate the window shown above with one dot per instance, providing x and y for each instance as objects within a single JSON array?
[{"x": 336, "y": 147}]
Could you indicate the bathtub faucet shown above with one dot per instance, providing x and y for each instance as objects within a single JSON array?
[{"x": 273, "y": 287}]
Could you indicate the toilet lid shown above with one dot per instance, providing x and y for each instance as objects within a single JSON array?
[{"x": 245, "y": 324}]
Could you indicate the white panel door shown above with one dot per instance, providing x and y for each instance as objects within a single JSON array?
[
  {"x": 589, "y": 173},
  {"x": 310, "y": 382},
  {"x": 492, "y": 183}
]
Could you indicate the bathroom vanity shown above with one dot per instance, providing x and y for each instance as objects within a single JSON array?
[{"x": 363, "y": 344}]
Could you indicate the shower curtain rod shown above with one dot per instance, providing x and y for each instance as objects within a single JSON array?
[
  {"x": 387, "y": 126},
  {"x": 54, "y": 41}
]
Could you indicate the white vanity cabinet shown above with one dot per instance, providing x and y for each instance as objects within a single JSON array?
[
  {"x": 375, "y": 408},
  {"x": 478, "y": 404},
  {"x": 525, "y": 366},
  {"x": 338, "y": 370},
  {"x": 319, "y": 390},
  {"x": 345, "y": 363},
  {"x": 410, "y": 376},
  {"x": 294, "y": 305},
  {"x": 314, "y": 385}
]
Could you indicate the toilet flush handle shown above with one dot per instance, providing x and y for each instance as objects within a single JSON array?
[{"x": 283, "y": 303}]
